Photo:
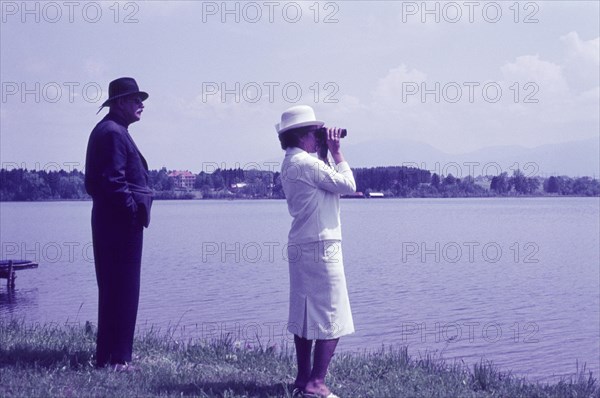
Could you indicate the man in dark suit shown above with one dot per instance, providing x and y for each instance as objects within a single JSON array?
[{"x": 116, "y": 177}]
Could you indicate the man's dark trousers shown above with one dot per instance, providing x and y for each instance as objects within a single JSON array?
[{"x": 118, "y": 256}]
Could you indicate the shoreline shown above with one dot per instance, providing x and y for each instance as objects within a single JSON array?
[
  {"x": 283, "y": 199},
  {"x": 54, "y": 360}
]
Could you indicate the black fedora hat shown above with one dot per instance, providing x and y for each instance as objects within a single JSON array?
[{"x": 122, "y": 87}]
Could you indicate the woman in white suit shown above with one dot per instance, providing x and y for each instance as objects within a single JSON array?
[{"x": 319, "y": 306}]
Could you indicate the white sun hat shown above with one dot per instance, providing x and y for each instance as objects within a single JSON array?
[{"x": 297, "y": 116}]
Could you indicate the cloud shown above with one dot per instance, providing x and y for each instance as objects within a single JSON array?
[
  {"x": 571, "y": 84},
  {"x": 538, "y": 102},
  {"x": 95, "y": 68},
  {"x": 587, "y": 51},
  {"x": 567, "y": 91},
  {"x": 581, "y": 62},
  {"x": 391, "y": 88},
  {"x": 349, "y": 104},
  {"x": 546, "y": 75}
]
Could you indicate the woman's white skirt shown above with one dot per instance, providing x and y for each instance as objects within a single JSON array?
[{"x": 319, "y": 304}]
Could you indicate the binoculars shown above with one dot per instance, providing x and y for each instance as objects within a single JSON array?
[{"x": 321, "y": 136}]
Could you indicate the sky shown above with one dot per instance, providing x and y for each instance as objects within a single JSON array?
[{"x": 459, "y": 76}]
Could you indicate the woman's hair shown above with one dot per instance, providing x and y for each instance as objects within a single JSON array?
[{"x": 291, "y": 138}]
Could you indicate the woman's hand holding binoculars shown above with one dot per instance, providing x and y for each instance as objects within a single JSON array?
[{"x": 332, "y": 137}]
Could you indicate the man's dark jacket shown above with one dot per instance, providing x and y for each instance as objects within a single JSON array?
[{"x": 116, "y": 173}]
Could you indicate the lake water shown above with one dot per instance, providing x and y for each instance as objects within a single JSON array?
[{"x": 514, "y": 281}]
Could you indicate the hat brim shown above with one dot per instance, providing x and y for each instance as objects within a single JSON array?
[
  {"x": 142, "y": 94},
  {"x": 317, "y": 123}
]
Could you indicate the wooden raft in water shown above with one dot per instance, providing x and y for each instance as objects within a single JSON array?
[{"x": 8, "y": 269}]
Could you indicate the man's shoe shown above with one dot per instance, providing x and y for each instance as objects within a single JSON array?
[{"x": 124, "y": 368}]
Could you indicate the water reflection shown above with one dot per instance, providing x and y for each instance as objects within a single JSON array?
[{"x": 16, "y": 302}]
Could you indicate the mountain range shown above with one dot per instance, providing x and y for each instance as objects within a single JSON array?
[{"x": 573, "y": 158}]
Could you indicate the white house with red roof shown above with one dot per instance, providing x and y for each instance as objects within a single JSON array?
[{"x": 183, "y": 179}]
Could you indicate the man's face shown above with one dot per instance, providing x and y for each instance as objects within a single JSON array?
[{"x": 132, "y": 108}]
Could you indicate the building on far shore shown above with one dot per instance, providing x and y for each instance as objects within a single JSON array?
[
  {"x": 183, "y": 179},
  {"x": 355, "y": 195}
]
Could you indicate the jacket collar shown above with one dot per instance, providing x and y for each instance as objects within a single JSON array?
[
  {"x": 117, "y": 119},
  {"x": 293, "y": 151}
]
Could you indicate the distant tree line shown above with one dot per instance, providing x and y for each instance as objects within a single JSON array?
[
  {"x": 30, "y": 185},
  {"x": 21, "y": 184}
]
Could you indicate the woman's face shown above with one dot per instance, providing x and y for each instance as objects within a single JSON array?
[{"x": 309, "y": 142}]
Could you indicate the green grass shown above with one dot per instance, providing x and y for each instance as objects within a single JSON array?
[{"x": 57, "y": 361}]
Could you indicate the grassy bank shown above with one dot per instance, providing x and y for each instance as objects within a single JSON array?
[{"x": 52, "y": 360}]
